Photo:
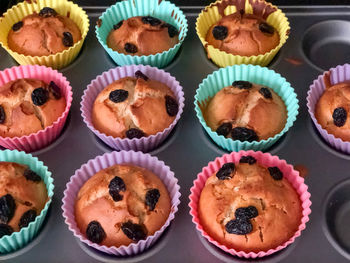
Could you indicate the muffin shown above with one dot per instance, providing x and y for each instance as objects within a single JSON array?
[
  {"x": 29, "y": 105},
  {"x": 133, "y": 107},
  {"x": 22, "y": 197},
  {"x": 246, "y": 112},
  {"x": 43, "y": 34},
  {"x": 120, "y": 205},
  {"x": 332, "y": 109},
  {"x": 249, "y": 207},
  {"x": 142, "y": 36}
]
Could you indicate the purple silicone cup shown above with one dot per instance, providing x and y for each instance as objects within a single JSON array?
[
  {"x": 144, "y": 144},
  {"x": 108, "y": 159},
  {"x": 337, "y": 75}
]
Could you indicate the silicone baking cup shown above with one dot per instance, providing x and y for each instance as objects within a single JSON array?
[
  {"x": 256, "y": 74},
  {"x": 123, "y": 10},
  {"x": 64, "y": 8},
  {"x": 19, "y": 239},
  {"x": 336, "y": 75},
  {"x": 43, "y": 137},
  {"x": 210, "y": 15},
  {"x": 267, "y": 160},
  {"x": 144, "y": 144},
  {"x": 101, "y": 162}
]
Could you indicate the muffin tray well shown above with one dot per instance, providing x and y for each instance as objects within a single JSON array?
[{"x": 319, "y": 39}]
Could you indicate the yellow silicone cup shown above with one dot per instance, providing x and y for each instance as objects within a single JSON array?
[
  {"x": 63, "y": 7},
  {"x": 210, "y": 15}
]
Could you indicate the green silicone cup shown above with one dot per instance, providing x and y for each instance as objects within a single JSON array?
[
  {"x": 19, "y": 239},
  {"x": 256, "y": 74},
  {"x": 123, "y": 10}
]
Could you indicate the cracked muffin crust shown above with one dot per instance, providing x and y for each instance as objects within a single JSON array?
[
  {"x": 121, "y": 204},
  {"x": 332, "y": 110},
  {"x": 142, "y": 36},
  {"x": 246, "y": 111},
  {"x": 249, "y": 207},
  {"x": 22, "y": 196},
  {"x": 29, "y": 105},
  {"x": 43, "y": 34},
  {"x": 134, "y": 107},
  {"x": 243, "y": 34}
]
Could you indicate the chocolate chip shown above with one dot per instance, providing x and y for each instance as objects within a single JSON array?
[
  {"x": 133, "y": 231},
  {"x": 172, "y": 31},
  {"x": 244, "y": 134},
  {"x": 151, "y": 20},
  {"x": 248, "y": 159},
  {"x": 151, "y": 199},
  {"x": 220, "y": 32},
  {"x": 116, "y": 185},
  {"x": 99, "y": 22},
  {"x": 67, "y": 39},
  {"x": 40, "y": 96},
  {"x": 339, "y": 116},
  {"x": 117, "y": 26},
  {"x": 171, "y": 106},
  {"x": 31, "y": 176},
  {"x": 47, "y": 12},
  {"x": 224, "y": 129},
  {"x": 95, "y": 232},
  {"x": 266, "y": 28},
  {"x": 239, "y": 227},
  {"x": 55, "y": 90},
  {"x": 118, "y": 95},
  {"x": 5, "y": 230},
  {"x": 266, "y": 93},
  {"x": 246, "y": 212},
  {"x": 130, "y": 48},
  {"x": 242, "y": 84},
  {"x": 226, "y": 171},
  {"x": 17, "y": 26},
  {"x": 26, "y": 218},
  {"x": 140, "y": 75},
  {"x": 276, "y": 173},
  {"x": 134, "y": 133},
  {"x": 7, "y": 208},
  {"x": 2, "y": 115}
]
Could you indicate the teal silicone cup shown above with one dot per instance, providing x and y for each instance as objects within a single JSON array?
[
  {"x": 123, "y": 10},
  {"x": 256, "y": 74},
  {"x": 19, "y": 239}
]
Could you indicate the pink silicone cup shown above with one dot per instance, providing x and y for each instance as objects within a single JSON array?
[
  {"x": 108, "y": 159},
  {"x": 143, "y": 144},
  {"x": 337, "y": 75},
  {"x": 42, "y": 138},
  {"x": 265, "y": 159}
]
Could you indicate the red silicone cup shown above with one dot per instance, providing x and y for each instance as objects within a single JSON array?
[
  {"x": 144, "y": 144},
  {"x": 108, "y": 159},
  {"x": 42, "y": 138},
  {"x": 265, "y": 159}
]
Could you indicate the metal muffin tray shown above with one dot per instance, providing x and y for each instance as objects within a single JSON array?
[{"x": 319, "y": 39}]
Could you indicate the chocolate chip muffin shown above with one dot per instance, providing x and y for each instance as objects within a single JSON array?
[
  {"x": 43, "y": 34},
  {"x": 23, "y": 195},
  {"x": 142, "y": 36},
  {"x": 249, "y": 207},
  {"x": 246, "y": 112},
  {"x": 243, "y": 34},
  {"x": 121, "y": 204},
  {"x": 29, "y": 105},
  {"x": 134, "y": 107}
]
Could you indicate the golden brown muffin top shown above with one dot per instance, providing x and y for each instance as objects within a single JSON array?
[
  {"x": 246, "y": 111},
  {"x": 134, "y": 107},
  {"x": 142, "y": 36},
  {"x": 43, "y": 34},
  {"x": 29, "y": 105},
  {"x": 23, "y": 195},
  {"x": 249, "y": 207},
  {"x": 121, "y": 204}
]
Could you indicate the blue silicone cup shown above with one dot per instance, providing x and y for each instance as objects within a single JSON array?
[
  {"x": 17, "y": 240},
  {"x": 256, "y": 74},
  {"x": 123, "y": 10}
]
